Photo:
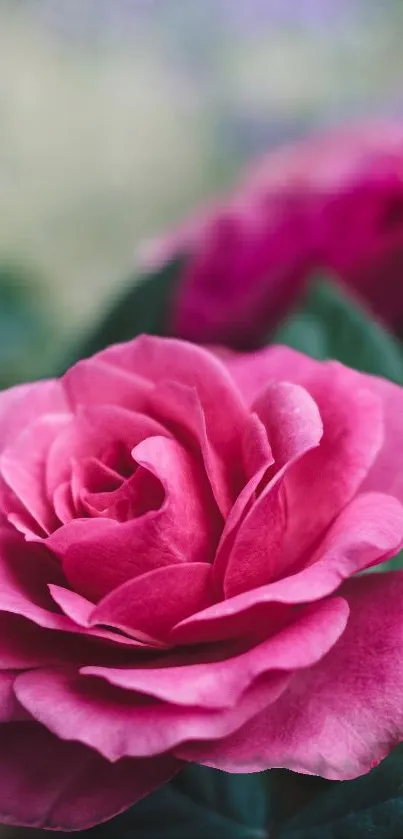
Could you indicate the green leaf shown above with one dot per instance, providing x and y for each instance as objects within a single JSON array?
[
  {"x": 24, "y": 330},
  {"x": 330, "y": 324},
  {"x": 142, "y": 308},
  {"x": 200, "y": 803},
  {"x": 369, "y": 807}
]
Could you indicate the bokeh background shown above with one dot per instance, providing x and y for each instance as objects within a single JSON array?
[{"x": 119, "y": 116}]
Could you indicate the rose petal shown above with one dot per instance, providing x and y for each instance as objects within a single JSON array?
[
  {"x": 341, "y": 717},
  {"x": 353, "y": 436},
  {"x": 24, "y": 645},
  {"x": 294, "y": 428},
  {"x": 48, "y": 783},
  {"x": 23, "y": 404},
  {"x": 26, "y": 594},
  {"x": 22, "y": 466},
  {"x": 63, "y": 502},
  {"x": 256, "y": 449},
  {"x": 284, "y": 363},
  {"x": 184, "y": 529},
  {"x": 118, "y": 724},
  {"x": 220, "y": 684},
  {"x": 181, "y": 406},
  {"x": 291, "y": 418},
  {"x": 154, "y": 602},
  {"x": 163, "y": 359},
  {"x": 81, "y": 610},
  {"x": 73, "y": 605},
  {"x": 10, "y": 709},
  {"x": 369, "y": 530},
  {"x": 94, "y": 381},
  {"x": 166, "y": 361},
  {"x": 90, "y": 433},
  {"x": 21, "y": 591}
]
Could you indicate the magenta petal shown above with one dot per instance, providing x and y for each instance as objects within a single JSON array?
[
  {"x": 63, "y": 502},
  {"x": 94, "y": 381},
  {"x": 22, "y": 405},
  {"x": 351, "y": 411},
  {"x": 154, "y": 602},
  {"x": 100, "y": 554},
  {"x": 254, "y": 555},
  {"x": 22, "y": 466},
  {"x": 10, "y": 708},
  {"x": 291, "y": 418},
  {"x": 89, "y": 434},
  {"x": 49, "y": 783},
  {"x": 24, "y": 593},
  {"x": 119, "y": 724},
  {"x": 328, "y": 478},
  {"x": 257, "y": 452},
  {"x": 163, "y": 359},
  {"x": 24, "y": 645},
  {"x": 284, "y": 363},
  {"x": 368, "y": 531},
  {"x": 73, "y": 605},
  {"x": 220, "y": 684},
  {"x": 294, "y": 428},
  {"x": 80, "y": 611},
  {"x": 237, "y": 513},
  {"x": 215, "y": 415},
  {"x": 191, "y": 521},
  {"x": 181, "y": 406},
  {"x": 342, "y": 716}
]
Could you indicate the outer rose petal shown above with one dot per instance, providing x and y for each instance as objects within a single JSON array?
[
  {"x": 21, "y": 405},
  {"x": 368, "y": 531},
  {"x": 10, "y": 709},
  {"x": 96, "y": 382},
  {"x": 49, "y": 783},
  {"x": 24, "y": 645},
  {"x": 220, "y": 684},
  {"x": 342, "y": 716},
  {"x": 119, "y": 724},
  {"x": 23, "y": 465},
  {"x": 26, "y": 594},
  {"x": 284, "y": 363},
  {"x": 353, "y": 436}
]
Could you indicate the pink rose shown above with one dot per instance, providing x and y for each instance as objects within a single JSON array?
[
  {"x": 181, "y": 534},
  {"x": 333, "y": 202}
]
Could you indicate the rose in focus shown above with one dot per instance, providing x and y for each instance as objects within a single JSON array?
[
  {"x": 181, "y": 538},
  {"x": 332, "y": 202}
]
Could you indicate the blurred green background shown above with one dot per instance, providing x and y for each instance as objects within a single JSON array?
[{"x": 119, "y": 116}]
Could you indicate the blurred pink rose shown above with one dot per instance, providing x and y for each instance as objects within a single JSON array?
[
  {"x": 334, "y": 202},
  {"x": 179, "y": 530}
]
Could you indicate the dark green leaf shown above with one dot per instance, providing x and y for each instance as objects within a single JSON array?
[
  {"x": 370, "y": 807},
  {"x": 24, "y": 329},
  {"x": 329, "y": 324},
  {"x": 142, "y": 308},
  {"x": 200, "y": 803}
]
